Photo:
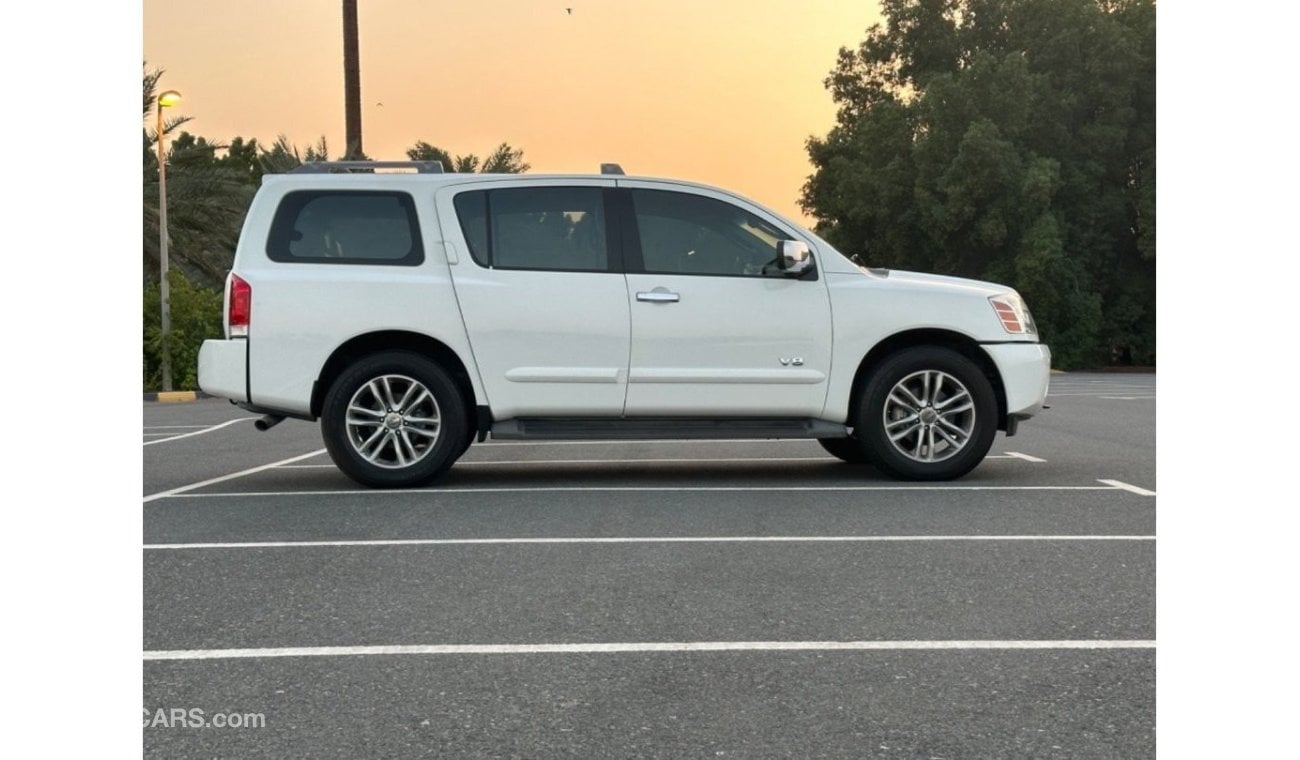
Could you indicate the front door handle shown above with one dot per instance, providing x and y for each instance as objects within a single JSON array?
[{"x": 658, "y": 295}]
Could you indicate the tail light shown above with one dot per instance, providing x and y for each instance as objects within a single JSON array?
[{"x": 240, "y": 310}]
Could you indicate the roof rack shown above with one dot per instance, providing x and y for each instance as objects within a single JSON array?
[
  {"x": 325, "y": 167},
  {"x": 611, "y": 169}
]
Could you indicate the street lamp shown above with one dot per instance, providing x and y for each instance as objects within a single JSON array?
[{"x": 165, "y": 100}]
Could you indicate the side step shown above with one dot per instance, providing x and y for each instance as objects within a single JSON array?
[{"x": 663, "y": 428}]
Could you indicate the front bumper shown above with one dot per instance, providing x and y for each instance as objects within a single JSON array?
[
  {"x": 1025, "y": 369},
  {"x": 223, "y": 368}
]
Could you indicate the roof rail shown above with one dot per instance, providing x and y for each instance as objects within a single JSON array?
[
  {"x": 611, "y": 169},
  {"x": 325, "y": 167}
]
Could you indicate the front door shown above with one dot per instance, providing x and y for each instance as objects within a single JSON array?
[{"x": 715, "y": 330}]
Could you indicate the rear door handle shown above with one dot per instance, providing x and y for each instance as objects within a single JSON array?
[{"x": 658, "y": 296}]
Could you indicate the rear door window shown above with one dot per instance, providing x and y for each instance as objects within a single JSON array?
[{"x": 543, "y": 228}]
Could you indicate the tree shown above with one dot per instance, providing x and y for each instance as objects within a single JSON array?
[
  {"x": 1011, "y": 140},
  {"x": 503, "y": 160},
  {"x": 207, "y": 198},
  {"x": 284, "y": 156},
  {"x": 195, "y": 317}
]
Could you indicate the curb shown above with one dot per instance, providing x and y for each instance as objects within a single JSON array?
[{"x": 173, "y": 397}]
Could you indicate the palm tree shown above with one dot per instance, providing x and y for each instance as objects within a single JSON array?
[
  {"x": 206, "y": 200},
  {"x": 284, "y": 156},
  {"x": 503, "y": 160}
]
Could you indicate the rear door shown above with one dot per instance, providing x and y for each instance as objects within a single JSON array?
[
  {"x": 542, "y": 293},
  {"x": 715, "y": 331}
]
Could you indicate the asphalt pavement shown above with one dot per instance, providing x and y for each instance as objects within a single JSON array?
[{"x": 655, "y": 599}]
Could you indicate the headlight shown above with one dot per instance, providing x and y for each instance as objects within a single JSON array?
[{"x": 1013, "y": 314}]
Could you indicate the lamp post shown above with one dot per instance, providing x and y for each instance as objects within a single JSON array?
[{"x": 165, "y": 100}]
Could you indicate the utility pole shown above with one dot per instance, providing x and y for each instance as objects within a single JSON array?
[{"x": 351, "y": 82}]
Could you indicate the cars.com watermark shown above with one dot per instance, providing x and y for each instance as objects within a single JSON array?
[{"x": 197, "y": 717}]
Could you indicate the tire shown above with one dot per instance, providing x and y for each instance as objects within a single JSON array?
[
  {"x": 927, "y": 413},
  {"x": 848, "y": 449},
  {"x": 407, "y": 423}
]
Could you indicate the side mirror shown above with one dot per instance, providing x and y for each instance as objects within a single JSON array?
[{"x": 793, "y": 257}]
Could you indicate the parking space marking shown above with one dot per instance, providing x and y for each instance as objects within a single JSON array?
[
  {"x": 1026, "y": 457},
  {"x": 682, "y": 460},
  {"x": 198, "y": 432},
  {"x": 632, "y": 647},
  {"x": 624, "y": 540},
  {"x": 181, "y": 490},
  {"x": 602, "y": 489},
  {"x": 1128, "y": 487},
  {"x": 660, "y": 440},
  {"x": 1125, "y": 398},
  {"x": 1102, "y": 394}
]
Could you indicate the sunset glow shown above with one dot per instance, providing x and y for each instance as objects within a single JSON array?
[{"x": 720, "y": 91}]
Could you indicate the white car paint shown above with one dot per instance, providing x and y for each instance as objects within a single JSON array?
[{"x": 582, "y": 344}]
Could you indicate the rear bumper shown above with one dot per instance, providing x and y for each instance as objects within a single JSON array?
[
  {"x": 1025, "y": 369},
  {"x": 223, "y": 368}
]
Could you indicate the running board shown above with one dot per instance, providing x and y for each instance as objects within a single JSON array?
[{"x": 662, "y": 428}]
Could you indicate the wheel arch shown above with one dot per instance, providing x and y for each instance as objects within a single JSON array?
[
  {"x": 395, "y": 340},
  {"x": 962, "y": 344}
]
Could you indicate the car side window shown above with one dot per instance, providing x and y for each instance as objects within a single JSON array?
[
  {"x": 547, "y": 228},
  {"x": 346, "y": 227},
  {"x": 681, "y": 233}
]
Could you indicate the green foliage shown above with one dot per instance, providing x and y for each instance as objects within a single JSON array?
[
  {"x": 1009, "y": 140},
  {"x": 195, "y": 316},
  {"x": 503, "y": 160},
  {"x": 207, "y": 198},
  {"x": 283, "y": 156}
]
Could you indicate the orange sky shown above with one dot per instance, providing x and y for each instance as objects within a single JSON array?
[{"x": 718, "y": 91}]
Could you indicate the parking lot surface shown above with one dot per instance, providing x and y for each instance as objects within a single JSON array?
[{"x": 657, "y": 599}]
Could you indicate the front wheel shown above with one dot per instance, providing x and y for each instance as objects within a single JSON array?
[
  {"x": 393, "y": 420},
  {"x": 927, "y": 413}
]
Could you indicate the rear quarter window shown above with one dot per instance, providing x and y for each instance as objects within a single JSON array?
[{"x": 346, "y": 227}]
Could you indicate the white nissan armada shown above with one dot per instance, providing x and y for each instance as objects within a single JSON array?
[{"x": 413, "y": 313}]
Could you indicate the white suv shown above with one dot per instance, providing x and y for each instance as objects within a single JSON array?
[{"x": 413, "y": 313}]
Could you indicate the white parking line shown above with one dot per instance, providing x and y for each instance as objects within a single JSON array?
[
  {"x": 1026, "y": 457},
  {"x": 174, "y": 427},
  {"x": 682, "y": 460},
  {"x": 606, "y": 489},
  {"x": 198, "y": 432},
  {"x": 1102, "y": 394},
  {"x": 650, "y": 646},
  {"x": 626, "y": 540},
  {"x": 1125, "y": 398},
  {"x": 181, "y": 491},
  {"x": 1128, "y": 487},
  {"x": 661, "y": 440}
]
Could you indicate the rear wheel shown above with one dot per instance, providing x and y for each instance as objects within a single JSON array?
[
  {"x": 927, "y": 413},
  {"x": 848, "y": 449},
  {"x": 394, "y": 419}
]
